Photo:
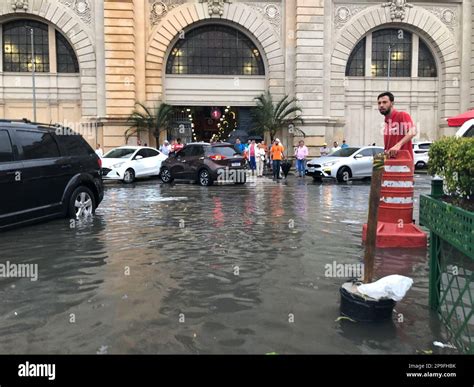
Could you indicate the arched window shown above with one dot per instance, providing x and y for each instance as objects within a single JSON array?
[
  {"x": 65, "y": 56},
  {"x": 216, "y": 50},
  {"x": 356, "y": 63},
  {"x": 17, "y": 46},
  {"x": 398, "y": 43},
  {"x": 426, "y": 62}
]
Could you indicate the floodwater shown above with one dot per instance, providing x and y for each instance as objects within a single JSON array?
[{"x": 225, "y": 269}]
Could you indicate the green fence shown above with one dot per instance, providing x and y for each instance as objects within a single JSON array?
[{"x": 451, "y": 267}]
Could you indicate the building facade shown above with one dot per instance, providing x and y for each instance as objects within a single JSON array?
[{"x": 210, "y": 58}]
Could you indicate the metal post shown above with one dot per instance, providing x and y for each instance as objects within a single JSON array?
[
  {"x": 435, "y": 246},
  {"x": 372, "y": 221},
  {"x": 33, "y": 70},
  {"x": 389, "y": 63}
]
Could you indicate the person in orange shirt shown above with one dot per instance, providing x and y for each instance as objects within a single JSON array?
[{"x": 276, "y": 155}]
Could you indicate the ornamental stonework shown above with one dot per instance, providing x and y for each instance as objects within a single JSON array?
[
  {"x": 270, "y": 12},
  {"x": 20, "y": 5},
  {"x": 159, "y": 9},
  {"x": 397, "y": 9},
  {"x": 345, "y": 12},
  {"x": 81, "y": 8},
  {"x": 215, "y": 7},
  {"x": 446, "y": 15}
]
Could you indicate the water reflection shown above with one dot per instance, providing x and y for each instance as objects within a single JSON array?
[{"x": 182, "y": 268}]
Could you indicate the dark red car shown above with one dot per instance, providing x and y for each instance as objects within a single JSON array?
[{"x": 205, "y": 163}]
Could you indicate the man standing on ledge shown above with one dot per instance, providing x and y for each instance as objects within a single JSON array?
[{"x": 399, "y": 129}]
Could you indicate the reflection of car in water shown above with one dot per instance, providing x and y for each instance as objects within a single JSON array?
[
  {"x": 204, "y": 163},
  {"x": 344, "y": 164},
  {"x": 128, "y": 162}
]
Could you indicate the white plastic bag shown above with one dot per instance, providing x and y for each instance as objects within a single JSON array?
[{"x": 393, "y": 286}]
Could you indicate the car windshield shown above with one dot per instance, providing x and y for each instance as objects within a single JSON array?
[
  {"x": 227, "y": 151},
  {"x": 344, "y": 152},
  {"x": 122, "y": 153},
  {"x": 469, "y": 132}
]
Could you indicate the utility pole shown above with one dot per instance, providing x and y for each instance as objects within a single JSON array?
[
  {"x": 33, "y": 69},
  {"x": 389, "y": 63}
]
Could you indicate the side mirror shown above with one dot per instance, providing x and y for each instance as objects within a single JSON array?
[
  {"x": 358, "y": 156},
  {"x": 138, "y": 157}
]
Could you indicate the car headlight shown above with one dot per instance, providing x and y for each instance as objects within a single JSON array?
[
  {"x": 118, "y": 165},
  {"x": 329, "y": 164}
]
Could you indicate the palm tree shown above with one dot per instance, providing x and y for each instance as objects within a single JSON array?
[
  {"x": 145, "y": 120},
  {"x": 270, "y": 118}
]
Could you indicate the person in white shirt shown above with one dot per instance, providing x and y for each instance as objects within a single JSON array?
[
  {"x": 165, "y": 148},
  {"x": 301, "y": 152},
  {"x": 336, "y": 147},
  {"x": 260, "y": 156},
  {"x": 99, "y": 152},
  {"x": 324, "y": 150}
]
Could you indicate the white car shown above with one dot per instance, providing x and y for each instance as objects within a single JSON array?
[
  {"x": 466, "y": 130},
  {"x": 129, "y": 162},
  {"x": 344, "y": 164},
  {"x": 420, "y": 151}
]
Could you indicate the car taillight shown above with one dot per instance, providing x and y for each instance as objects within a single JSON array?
[
  {"x": 99, "y": 161},
  {"x": 217, "y": 157}
]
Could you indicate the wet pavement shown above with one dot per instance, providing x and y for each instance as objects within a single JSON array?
[{"x": 225, "y": 269}]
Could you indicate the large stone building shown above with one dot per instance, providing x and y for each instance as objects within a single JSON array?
[{"x": 210, "y": 58}]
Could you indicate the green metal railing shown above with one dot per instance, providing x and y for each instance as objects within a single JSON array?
[{"x": 451, "y": 265}]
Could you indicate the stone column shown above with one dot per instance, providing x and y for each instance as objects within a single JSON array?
[
  {"x": 290, "y": 46},
  {"x": 120, "y": 72},
  {"x": 311, "y": 63},
  {"x": 52, "y": 49},
  {"x": 467, "y": 76},
  {"x": 140, "y": 60},
  {"x": 100, "y": 57},
  {"x": 140, "y": 50},
  {"x": 309, "y": 56}
]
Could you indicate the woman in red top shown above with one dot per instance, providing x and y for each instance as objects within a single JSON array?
[{"x": 178, "y": 146}]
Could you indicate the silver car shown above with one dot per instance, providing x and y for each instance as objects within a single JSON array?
[{"x": 344, "y": 164}]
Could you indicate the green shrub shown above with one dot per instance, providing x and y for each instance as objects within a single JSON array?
[{"x": 452, "y": 158}]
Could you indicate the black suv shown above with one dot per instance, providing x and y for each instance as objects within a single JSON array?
[{"x": 46, "y": 172}]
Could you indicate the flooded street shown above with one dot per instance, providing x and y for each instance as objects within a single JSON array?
[{"x": 225, "y": 269}]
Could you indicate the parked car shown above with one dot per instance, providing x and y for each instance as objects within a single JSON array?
[
  {"x": 205, "y": 163},
  {"x": 344, "y": 164},
  {"x": 420, "y": 152},
  {"x": 126, "y": 163},
  {"x": 44, "y": 174},
  {"x": 466, "y": 130}
]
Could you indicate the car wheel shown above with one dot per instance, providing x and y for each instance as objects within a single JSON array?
[
  {"x": 343, "y": 175},
  {"x": 129, "y": 176},
  {"x": 420, "y": 165},
  {"x": 165, "y": 175},
  {"x": 81, "y": 203},
  {"x": 204, "y": 178}
]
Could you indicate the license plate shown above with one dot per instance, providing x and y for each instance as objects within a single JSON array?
[
  {"x": 311, "y": 169},
  {"x": 236, "y": 164}
]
